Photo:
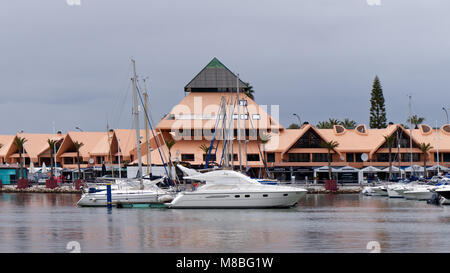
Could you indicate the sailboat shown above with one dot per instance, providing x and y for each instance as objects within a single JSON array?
[{"x": 129, "y": 191}]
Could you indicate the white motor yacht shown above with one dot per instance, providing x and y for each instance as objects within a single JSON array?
[
  {"x": 231, "y": 189},
  {"x": 126, "y": 192}
]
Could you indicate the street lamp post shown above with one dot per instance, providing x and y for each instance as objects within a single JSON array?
[
  {"x": 446, "y": 113},
  {"x": 299, "y": 120}
]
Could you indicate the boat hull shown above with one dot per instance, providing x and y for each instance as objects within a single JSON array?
[
  {"x": 418, "y": 195},
  {"x": 130, "y": 197},
  {"x": 237, "y": 200},
  {"x": 396, "y": 193}
]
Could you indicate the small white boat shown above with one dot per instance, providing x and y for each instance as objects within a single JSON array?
[
  {"x": 126, "y": 192},
  {"x": 231, "y": 189}
]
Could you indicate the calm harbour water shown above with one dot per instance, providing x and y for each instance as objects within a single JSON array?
[{"x": 320, "y": 223}]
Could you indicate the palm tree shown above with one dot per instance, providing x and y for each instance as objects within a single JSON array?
[
  {"x": 19, "y": 142},
  {"x": 328, "y": 124},
  {"x": 205, "y": 150},
  {"x": 390, "y": 142},
  {"x": 416, "y": 120},
  {"x": 348, "y": 123},
  {"x": 294, "y": 126},
  {"x": 249, "y": 91},
  {"x": 52, "y": 145},
  {"x": 330, "y": 145},
  {"x": 425, "y": 148},
  {"x": 264, "y": 137},
  {"x": 77, "y": 145}
]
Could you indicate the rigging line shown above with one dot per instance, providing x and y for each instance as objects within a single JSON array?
[
  {"x": 117, "y": 96},
  {"x": 118, "y": 117},
  {"x": 226, "y": 134},
  {"x": 214, "y": 136},
  {"x": 259, "y": 150},
  {"x": 160, "y": 140},
  {"x": 159, "y": 137},
  {"x": 151, "y": 128}
]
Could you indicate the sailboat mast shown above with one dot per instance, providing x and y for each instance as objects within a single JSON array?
[
  {"x": 437, "y": 148},
  {"x": 239, "y": 123},
  {"x": 146, "y": 130},
  {"x": 398, "y": 155},
  {"x": 136, "y": 123},
  {"x": 410, "y": 136},
  {"x": 225, "y": 134},
  {"x": 231, "y": 129},
  {"x": 110, "y": 151},
  {"x": 118, "y": 158}
]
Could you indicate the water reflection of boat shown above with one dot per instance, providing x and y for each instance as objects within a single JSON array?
[{"x": 375, "y": 191}]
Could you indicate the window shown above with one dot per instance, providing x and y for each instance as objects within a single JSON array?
[
  {"x": 211, "y": 157},
  {"x": 243, "y": 116},
  {"x": 299, "y": 157},
  {"x": 237, "y": 196},
  {"x": 403, "y": 140},
  {"x": 436, "y": 157},
  {"x": 235, "y": 157},
  {"x": 309, "y": 140},
  {"x": 358, "y": 157},
  {"x": 68, "y": 160},
  {"x": 256, "y": 117},
  {"x": 247, "y": 196},
  {"x": 243, "y": 102},
  {"x": 187, "y": 157},
  {"x": 446, "y": 157},
  {"x": 252, "y": 157},
  {"x": 350, "y": 157},
  {"x": 320, "y": 158},
  {"x": 270, "y": 157},
  {"x": 99, "y": 159},
  {"x": 383, "y": 157},
  {"x": 406, "y": 157}
]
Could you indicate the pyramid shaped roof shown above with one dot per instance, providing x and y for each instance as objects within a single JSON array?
[{"x": 214, "y": 77}]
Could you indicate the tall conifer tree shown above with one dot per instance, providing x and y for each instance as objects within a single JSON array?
[{"x": 377, "y": 108}]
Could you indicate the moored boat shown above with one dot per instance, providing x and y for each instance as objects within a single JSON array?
[{"x": 231, "y": 189}]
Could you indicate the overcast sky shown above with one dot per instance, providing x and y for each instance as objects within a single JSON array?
[{"x": 71, "y": 64}]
